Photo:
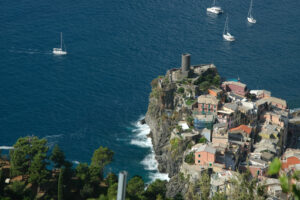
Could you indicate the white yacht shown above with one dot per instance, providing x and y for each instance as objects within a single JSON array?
[
  {"x": 250, "y": 17},
  {"x": 60, "y": 51},
  {"x": 214, "y": 9},
  {"x": 226, "y": 35}
]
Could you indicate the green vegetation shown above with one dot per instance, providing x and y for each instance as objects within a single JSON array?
[
  {"x": 190, "y": 101},
  {"x": 287, "y": 181},
  {"x": 180, "y": 90},
  {"x": 190, "y": 121},
  {"x": 208, "y": 79},
  {"x": 190, "y": 158},
  {"x": 204, "y": 184},
  {"x": 202, "y": 140},
  {"x": 179, "y": 128},
  {"x": 30, "y": 162},
  {"x": 174, "y": 143},
  {"x": 60, "y": 193},
  {"x": 57, "y": 157},
  {"x": 156, "y": 93}
]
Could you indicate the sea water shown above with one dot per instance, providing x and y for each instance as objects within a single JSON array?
[{"x": 96, "y": 94}]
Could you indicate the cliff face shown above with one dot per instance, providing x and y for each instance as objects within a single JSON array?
[{"x": 170, "y": 102}]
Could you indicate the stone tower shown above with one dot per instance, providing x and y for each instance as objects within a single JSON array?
[{"x": 185, "y": 64}]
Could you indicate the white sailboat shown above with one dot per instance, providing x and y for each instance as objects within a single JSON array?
[
  {"x": 250, "y": 17},
  {"x": 60, "y": 51},
  {"x": 214, "y": 9},
  {"x": 226, "y": 35}
]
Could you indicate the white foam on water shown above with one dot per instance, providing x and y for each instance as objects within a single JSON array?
[
  {"x": 76, "y": 162},
  {"x": 141, "y": 131},
  {"x": 142, "y": 140},
  {"x": 6, "y": 147},
  {"x": 161, "y": 176}
]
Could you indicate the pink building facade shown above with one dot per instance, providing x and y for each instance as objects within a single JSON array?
[
  {"x": 205, "y": 156},
  {"x": 207, "y": 104}
]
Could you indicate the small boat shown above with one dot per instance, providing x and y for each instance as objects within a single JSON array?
[
  {"x": 250, "y": 17},
  {"x": 226, "y": 35},
  {"x": 214, "y": 9},
  {"x": 60, "y": 51}
]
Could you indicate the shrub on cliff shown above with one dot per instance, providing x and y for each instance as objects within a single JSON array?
[
  {"x": 174, "y": 143},
  {"x": 202, "y": 140},
  {"x": 180, "y": 90},
  {"x": 190, "y": 158}
]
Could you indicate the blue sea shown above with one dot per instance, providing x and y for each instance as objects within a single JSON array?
[{"x": 96, "y": 94}]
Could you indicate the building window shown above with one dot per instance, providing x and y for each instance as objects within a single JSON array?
[
  {"x": 198, "y": 161},
  {"x": 198, "y": 155}
]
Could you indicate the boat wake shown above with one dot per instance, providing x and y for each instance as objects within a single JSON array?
[
  {"x": 28, "y": 51},
  {"x": 6, "y": 147},
  {"x": 142, "y": 140}
]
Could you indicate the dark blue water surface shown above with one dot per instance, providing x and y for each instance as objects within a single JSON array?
[{"x": 92, "y": 96}]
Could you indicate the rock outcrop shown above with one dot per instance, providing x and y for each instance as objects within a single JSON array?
[{"x": 170, "y": 102}]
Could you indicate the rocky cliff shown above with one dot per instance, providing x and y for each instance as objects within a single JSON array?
[{"x": 172, "y": 100}]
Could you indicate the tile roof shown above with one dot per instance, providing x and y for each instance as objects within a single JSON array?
[
  {"x": 270, "y": 100},
  {"x": 231, "y": 106},
  {"x": 243, "y": 128},
  {"x": 206, "y": 148},
  {"x": 208, "y": 99},
  {"x": 234, "y": 83}
]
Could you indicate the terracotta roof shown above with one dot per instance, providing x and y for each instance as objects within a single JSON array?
[{"x": 242, "y": 127}]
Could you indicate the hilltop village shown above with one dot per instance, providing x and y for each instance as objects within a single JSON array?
[{"x": 202, "y": 123}]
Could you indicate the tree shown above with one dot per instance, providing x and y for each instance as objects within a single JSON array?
[
  {"x": 110, "y": 179},
  {"x": 57, "y": 157},
  {"x": 216, "y": 80},
  {"x": 112, "y": 192},
  {"x": 287, "y": 182},
  {"x": 135, "y": 188},
  {"x": 95, "y": 173},
  {"x": 159, "y": 197},
  {"x": 16, "y": 190},
  {"x": 60, "y": 189},
  {"x": 102, "y": 197},
  {"x": 82, "y": 172},
  {"x": 1, "y": 181},
  {"x": 38, "y": 173},
  {"x": 86, "y": 191},
  {"x": 23, "y": 153},
  {"x": 178, "y": 196},
  {"x": 219, "y": 196},
  {"x": 101, "y": 157},
  {"x": 204, "y": 185},
  {"x": 155, "y": 188},
  {"x": 190, "y": 158}
]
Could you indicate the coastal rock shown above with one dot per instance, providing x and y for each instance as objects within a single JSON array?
[
  {"x": 177, "y": 184},
  {"x": 143, "y": 121},
  {"x": 167, "y": 106}
]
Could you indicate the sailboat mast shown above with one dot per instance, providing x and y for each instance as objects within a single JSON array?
[
  {"x": 61, "y": 40},
  {"x": 250, "y": 9},
  {"x": 225, "y": 27},
  {"x": 214, "y": 3}
]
